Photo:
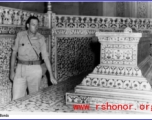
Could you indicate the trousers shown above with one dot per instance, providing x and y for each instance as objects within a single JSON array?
[{"x": 26, "y": 76}]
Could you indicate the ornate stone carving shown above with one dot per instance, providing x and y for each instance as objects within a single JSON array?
[
  {"x": 89, "y": 25},
  {"x": 119, "y": 58},
  {"x": 53, "y": 44},
  {"x": 17, "y": 18},
  {"x": 74, "y": 56},
  {"x": 103, "y": 23},
  {"x": 127, "y": 30},
  {"x": 46, "y": 19},
  {"x": 6, "y": 43},
  {"x": 120, "y": 83},
  {"x": 117, "y": 78},
  {"x": 118, "y": 70},
  {"x": 12, "y": 30},
  {"x": 122, "y": 49},
  {"x": 10, "y": 16},
  {"x": 75, "y": 31}
]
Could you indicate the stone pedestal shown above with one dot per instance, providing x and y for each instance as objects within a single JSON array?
[{"x": 117, "y": 79}]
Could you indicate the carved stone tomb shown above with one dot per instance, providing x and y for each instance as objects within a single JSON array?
[{"x": 117, "y": 79}]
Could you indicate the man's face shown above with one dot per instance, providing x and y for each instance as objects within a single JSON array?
[{"x": 33, "y": 26}]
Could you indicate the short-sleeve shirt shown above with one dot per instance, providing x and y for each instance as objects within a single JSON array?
[{"x": 25, "y": 51}]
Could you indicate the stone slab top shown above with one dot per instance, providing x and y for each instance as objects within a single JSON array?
[{"x": 120, "y": 34}]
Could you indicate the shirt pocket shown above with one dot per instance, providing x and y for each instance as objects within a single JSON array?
[{"x": 22, "y": 47}]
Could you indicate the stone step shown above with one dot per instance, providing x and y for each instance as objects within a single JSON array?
[
  {"x": 98, "y": 88},
  {"x": 142, "y": 79},
  {"x": 125, "y": 93}
]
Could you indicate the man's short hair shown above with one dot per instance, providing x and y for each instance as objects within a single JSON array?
[{"x": 29, "y": 20}]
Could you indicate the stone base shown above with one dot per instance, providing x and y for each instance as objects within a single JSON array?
[
  {"x": 117, "y": 80},
  {"x": 97, "y": 89},
  {"x": 99, "y": 96},
  {"x": 112, "y": 81}
]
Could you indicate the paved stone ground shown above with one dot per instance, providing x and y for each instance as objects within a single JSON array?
[
  {"x": 45, "y": 99},
  {"x": 52, "y": 99}
]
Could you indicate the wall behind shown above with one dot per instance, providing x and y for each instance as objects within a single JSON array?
[
  {"x": 30, "y": 6},
  {"x": 65, "y": 8},
  {"x": 88, "y": 8},
  {"x": 70, "y": 8},
  {"x": 118, "y": 9}
]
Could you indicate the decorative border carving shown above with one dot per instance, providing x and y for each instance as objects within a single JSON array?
[
  {"x": 103, "y": 23},
  {"x": 75, "y": 31},
  {"x": 118, "y": 70},
  {"x": 17, "y": 17},
  {"x": 119, "y": 83},
  {"x": 12, "y": 30}
]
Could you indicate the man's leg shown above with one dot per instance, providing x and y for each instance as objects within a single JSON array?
[
  {"x": 34, "y": 78},
  {"x": 19, "y": 88},
  {"x": 19, "y": 84}
]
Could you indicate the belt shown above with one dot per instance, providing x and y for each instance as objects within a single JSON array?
[{"x": 36, "y": 62}]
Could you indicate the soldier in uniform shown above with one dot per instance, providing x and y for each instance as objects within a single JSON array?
[{"x": 27, "y": 48}]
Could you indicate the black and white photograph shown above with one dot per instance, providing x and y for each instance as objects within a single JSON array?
[{"x": 76, "y": 57}]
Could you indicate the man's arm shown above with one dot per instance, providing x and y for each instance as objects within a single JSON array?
[
  {"x": 13, "y": 59},
  {"x": 47, "y": 61},
  {"x": 48, "y": 65}
]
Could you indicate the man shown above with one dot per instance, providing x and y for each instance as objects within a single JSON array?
[{"x": 27, "y": 48}]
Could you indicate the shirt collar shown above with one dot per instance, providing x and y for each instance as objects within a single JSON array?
[{"x": 36, "y": 36}]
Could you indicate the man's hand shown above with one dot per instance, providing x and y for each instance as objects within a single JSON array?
[
  {"x": 12, "y": 75},
  {"x": 48, "y": 65},
  {"x": 53, "y": 80}
]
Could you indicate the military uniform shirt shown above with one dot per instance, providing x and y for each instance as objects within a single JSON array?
[{"x": 26, "y": 51}]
